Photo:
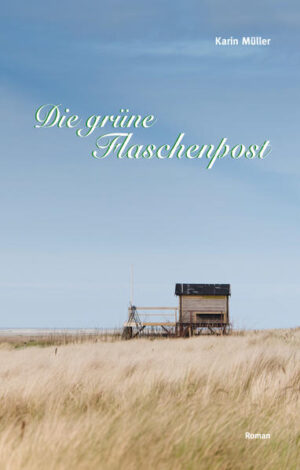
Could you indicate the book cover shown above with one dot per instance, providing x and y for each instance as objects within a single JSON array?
[{"x": 149, "y": 276}]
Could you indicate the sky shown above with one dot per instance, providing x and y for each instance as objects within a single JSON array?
[{"x": 72, "y": 226}]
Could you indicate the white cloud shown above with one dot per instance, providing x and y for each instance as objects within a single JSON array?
[{"x": 188, "y": 48}]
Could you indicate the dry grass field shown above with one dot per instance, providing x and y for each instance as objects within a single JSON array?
[{"x": 152, "y": 404}]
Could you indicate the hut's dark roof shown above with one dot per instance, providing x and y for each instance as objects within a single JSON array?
[{"x": 202, "y": 289}]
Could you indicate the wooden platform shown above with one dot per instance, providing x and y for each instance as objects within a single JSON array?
[{"x": 143, "y": 324}]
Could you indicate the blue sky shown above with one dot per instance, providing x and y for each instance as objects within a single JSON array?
[{"x": 71, "y": 226}]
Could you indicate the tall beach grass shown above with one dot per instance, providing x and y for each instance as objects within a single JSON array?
[{"x": 161, "y": 404}]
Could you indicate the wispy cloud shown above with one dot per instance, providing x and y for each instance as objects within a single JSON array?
[{"x": 188, "y": 48}]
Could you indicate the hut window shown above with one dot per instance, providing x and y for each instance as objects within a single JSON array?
[{"x": 200, "y": 317}]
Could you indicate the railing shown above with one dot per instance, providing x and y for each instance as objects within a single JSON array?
[{"x": 168, "y": 316}]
